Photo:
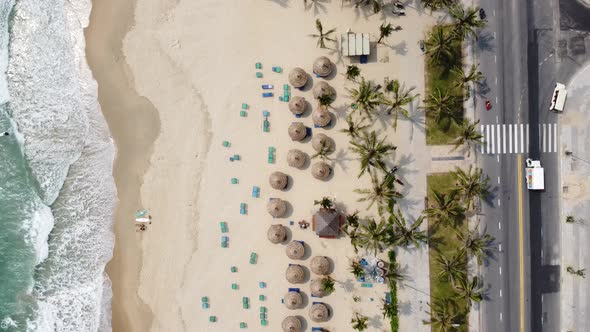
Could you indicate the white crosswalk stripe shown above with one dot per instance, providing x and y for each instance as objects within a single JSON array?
[{"x": 515, "y": 138}]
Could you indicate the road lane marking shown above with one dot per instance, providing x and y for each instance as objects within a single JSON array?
[
  {"x": 556, "y": 137},
  {"x": 510, "y": 138},
  {"x": 487, "y": 138},
  {"x": 515, "y": 138},
  {"x": 500, "y": 316},
  {"x": 492, "y": 135},
  {"x": 549, "y": 141},
  {"x": 496, "y": 100},
  {"x": 495, "y": 59},
  {"x": 521, "y": 138},
  {"x": 494, "y": 34},
  {"x": 496, "y": 81},
  {"x": 520, "y": 242},
  {"x": 528, "y": 144},
  {"x": 499, "y": 225},
  {"x": 499, "y": 202},
  {"x": 500, "y": 290},
  {"x": 504, "y": 140},
  {"x": 500, "y": 247},
  {"x": 497, "y": 119},
  {"x": 494, "y": 13},
  {"x": 498, "y": 180},
  {"x": 498, "y": 157},
  {"x": 544, "y": 138},
  {"x": 499, "y": 135},
  {"x": 500, "y": 270}
]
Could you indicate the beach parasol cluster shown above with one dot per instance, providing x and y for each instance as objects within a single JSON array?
[
  {"x": 291, "y": 324},
  {"x": 297, "y": 131},
  {"x": 276, "y": 233},
  {"x": 276, "y": 207},
  {"x": 321, "y": 117},
  {"x": 321, "y": 170},
  {"x": 295, "y": 250},
  {"x": 278, "y": 180},
  {"x": 320, "y": 265},
  {"x": 323, "y": 89},
  {"x": 297, "y": 105},
  {"x": 317, "y": 289},
  {"x": 298, "y": 78},
  {"x": 295, "y": 274},
  {"x": 293, "y": 300},
  {"x": 320, "y": 141},
  {"x": 319, "y": 312},
  {"x": 322, "y": 66},
  {"x": 296, "y": 158}
]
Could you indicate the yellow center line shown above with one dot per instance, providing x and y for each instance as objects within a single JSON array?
[{"x": 520, "y": 242}]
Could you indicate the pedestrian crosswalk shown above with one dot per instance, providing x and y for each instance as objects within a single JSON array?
[{"x": 516, "y": 138}]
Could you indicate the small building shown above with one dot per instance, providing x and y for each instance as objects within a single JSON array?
[
  {"x": 327, "y": 223},
  {"x": 353, "y": 44}
]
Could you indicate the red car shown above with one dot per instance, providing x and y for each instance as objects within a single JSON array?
[{"x": 488, "y": 105}]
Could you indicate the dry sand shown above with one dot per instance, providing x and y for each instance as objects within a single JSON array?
[{"x": 171, "y": 92}]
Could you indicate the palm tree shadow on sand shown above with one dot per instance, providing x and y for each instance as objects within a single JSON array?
[{"x": 282, "y": 3}]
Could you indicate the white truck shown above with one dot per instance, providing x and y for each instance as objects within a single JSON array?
[
  {"x": 535, "y": 175},
  {"x": 558, "y": 98}
]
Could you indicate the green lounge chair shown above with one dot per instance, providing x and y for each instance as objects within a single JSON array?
[
  {"x": 243, "y": 114},
  {"x": 258, "y": 74},
  {"x": 245, "y": 299},
  {"x": 234, "y": 181},
  {"x": 244, "y": 106},
  {"x": 263, "y": 322},
  {"x": 261, "y": 297},
  {"x": 242, "y": 325},
  {"x": 233, "y": 269},
  {"x": 262, "y": 315},
  {"x": 234, "y": 286},
  {"x": 262, "y": 309},
  {"x": 258, "y": 65},
  {"x": 225, "y": 144},
  {"x": 212, "y": 319},
  {"x": 204, "y": 299}
]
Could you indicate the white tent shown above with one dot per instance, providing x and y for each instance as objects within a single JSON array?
[{"x": 355, "y": 44}]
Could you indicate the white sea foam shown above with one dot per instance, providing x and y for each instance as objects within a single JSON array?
[{"x": 38, "y": 228}]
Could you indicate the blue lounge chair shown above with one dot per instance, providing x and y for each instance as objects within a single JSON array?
[
  {"x": 267, "y": 94},
  {"x": 364, "y": 59},
  {"x": 294, "y": 290},
  {"x": 387, "y": 297},
  {"x": 316, "y": 329},
  {"x": 308, "y": 131},
  {"x": 265, "y": 113},
  {"x": 298, "y": 115},
  {"x": 267, "y": 86}
]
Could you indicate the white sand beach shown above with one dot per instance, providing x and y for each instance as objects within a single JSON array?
[{"x": 186, "y": 67}]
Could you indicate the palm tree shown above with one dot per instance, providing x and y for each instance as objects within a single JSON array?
[
  {"x": 400, "y": 97},
  {"x": 381, "y": 192},
  {"x": 354, "y": 128},
  {"x": 446, "y": 209},
  {"x": 325, "y": 202},
  {"x": 408, "y": 235},
  {"x": 359, "y": 322},
  {"x": 477, "y": 245},
  {"x": 323, "y": 153},
  {"x": 394, "y": 274},
  {"x": 385, "y": 30},
  {"x": 463, "y": 78},
  {"x": 472, "y": 184},
  {"x": 352, "y": 220},
  {"x": 366, "y": 98},
  {"x": 376, "y": 4},
  {"x": 470, "y": 291},
  {"x": 467, "y": 21},
  {"x": 371, "y": 151},
  {"x": 328, "y": 285},
  {"x": 439, "y": 45},
  {"x": 443, "y": 316},
  {"x": 355, "y": 238},
  {"x": 323, "y": 36},
  {"x": 325, "y": 101},
  {"x": 437, "y": 4},
  {"x": 444, "y": 107},
  {"x": 352, "y": 72},
  {"x": 371, "y": 236},
  {"x": 389, "y": 310},
  {"x": 452, "y": 269},
  {"x": 468, "y": 136},
  {"x": 356, "y": 269}
]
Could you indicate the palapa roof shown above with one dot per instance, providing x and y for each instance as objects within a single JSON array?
[
  {"x": 276, "y": 233},
  {"x": 297, "y": 131},
  {"x": 321, "y": 117},
  {"x": 296, "y": 158},
  {"x": 276, "y": 207},
  {"x": 316, "y": 288},
  {"x": 293, "y": 300},
  {"x": 295, "y": 274},
  {"x": 319, "y": 312},
  {"x": 321, "y": 170},
  {"x": 291, "y": 324},
  {"x": 320, "y": 141},
  {"x": 295, "y": 250},
  {"x": 278, "y": 180},
  {"x": 297, "y": 105},
  {"x": 327, "y": 223},
  {"x": 320, "y": 265},
  {"x": 323, "y": 88},
  {"x": 322, "y": 66},
  {"x": 297, "y": 77}
]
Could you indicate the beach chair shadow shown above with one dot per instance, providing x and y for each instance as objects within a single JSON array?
[
  {"x": 405, "y": 308},
  {"x": 400, "y": 48},
  {"x": 348, "y": 285},
  {"x": 282, "y": 3},
  {"x": 376, "y": 322},
  {"x": 341, "y": 159}
]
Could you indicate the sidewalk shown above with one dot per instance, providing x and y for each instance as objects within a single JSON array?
[{"x": 575, "y": 201}]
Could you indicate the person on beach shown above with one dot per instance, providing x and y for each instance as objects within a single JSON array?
[{"x": 5, "y": 134}]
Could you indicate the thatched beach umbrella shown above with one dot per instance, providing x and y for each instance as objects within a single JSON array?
[
  {"x": 297, "y": 105},
  {"x": 291, "y": 324},
  {"x": 276, "y": 207},
  {"x": 322, "y": 66},
  {"x": 320, "y": 141},
  {"x": 316, "y": 287},
  {"x": 278, "y": 180},
  {"x": 319, "y": 312},
  {"x": 296, "y": 158},
  {"x": 321, "y": 117},
  {"x": 293, "y": 300},
  {"x": 295, "y": 250},
  {"x": 323, "y": 89},
  {"x": 297, "y": 77},
  {"x": 321, "y": 170},
  {"x": 295, "y": 274},
  {"x": 276, "y": 233},
  {"x": 297, "y": 131},
  {"x": 320, "y": 265}
]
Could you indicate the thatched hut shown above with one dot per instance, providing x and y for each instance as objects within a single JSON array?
[
  {"x": 293, "y": 300},
  {"x": 276, "y": 207},
  {"x": 278, "y": 180},
  {"x": 296, "y": 158},
  {"x": 295, "y": 274},
  {"x": 291, "y": 324},
  {"x": 327, "y": 223},
  {"x": 320, "y": 265},
  {"x": 321, "y": 170},
  {"x": 276, "y": 233},
  {"x": 322, "y": 66},
  {"x": 320, "y": 141},
  {"x": 319, "y": 312},
  {"x": 295, "y": 250},
  {"x": 321, "y": 117},
  {"x": 297, "y": 105},
  {"x": 297, "y": 131},
  {"x": 323, "y": 89},
  {"x": 316, "y": 287},
  {"x": 297, "y": 78}
]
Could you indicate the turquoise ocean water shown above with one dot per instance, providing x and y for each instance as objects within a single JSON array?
[{"x": 57, "y": 194}]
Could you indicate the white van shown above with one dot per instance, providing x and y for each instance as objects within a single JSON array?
[{"x": 558, "y": 99}]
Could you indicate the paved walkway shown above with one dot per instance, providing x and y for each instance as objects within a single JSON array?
[{"x": 575, "y": 201}]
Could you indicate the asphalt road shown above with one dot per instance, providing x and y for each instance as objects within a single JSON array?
[{"x": 515, "y": 53}]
